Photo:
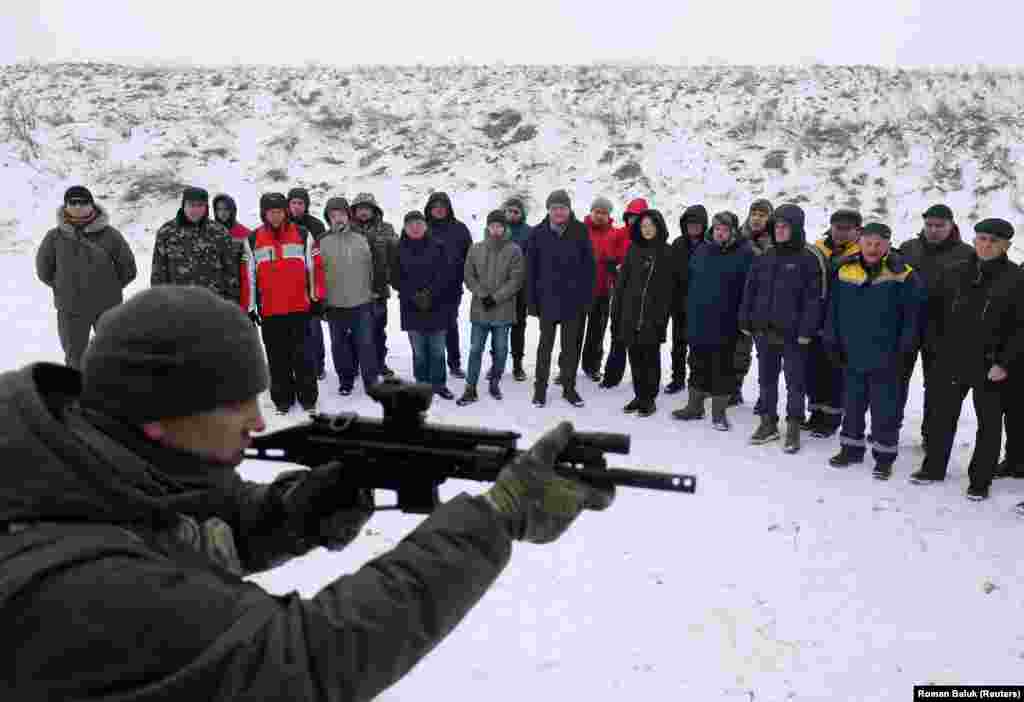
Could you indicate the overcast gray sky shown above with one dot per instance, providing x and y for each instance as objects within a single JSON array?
[{"x": 888, "y": 32}]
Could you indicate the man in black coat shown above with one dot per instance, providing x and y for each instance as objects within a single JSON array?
[
  {"x": 980, "y": 331},
  {"x": 444, "y": 227},
  {"x": 298, "y": 212},
  {"x": 127, "y": 534},
  {"x": 934, "y": 250}
]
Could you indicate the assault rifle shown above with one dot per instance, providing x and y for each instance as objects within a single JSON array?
[{"x": 405, "y": 454}]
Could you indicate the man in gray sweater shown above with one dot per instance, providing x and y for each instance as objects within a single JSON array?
[
  {"x": 495, "y": 272},
  {"x": 87, "y": 263},
  {"x": 348, "y": 269}
]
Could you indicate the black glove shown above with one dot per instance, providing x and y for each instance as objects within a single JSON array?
[
  {"x": 422, "y": 299},
  {"x": 319, "y": 509},
  {"x": 535, "y": 503},
  {"x": 611, "y": 266},
  {"x": 489, "y": 302},
  {"x": 316, "y": 308},
  {"x": 255, "y": 318}
]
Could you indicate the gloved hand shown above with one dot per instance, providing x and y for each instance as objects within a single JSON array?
[
  {"x": 489, "y": 302},
  {"x": 611, "y": 266},
  {"x": 536, "y": 504},
  {"x": 319, "y": 509},
  {"x": 255, "y": 318},
  {"x": 422, "y": 299}
]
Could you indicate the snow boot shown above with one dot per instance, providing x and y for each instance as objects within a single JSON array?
[
  {"x": 517, "y": 369},
  {"x": 827, "y": 426},
  {"x": 1006, "y": 469},
  {"x": 632, "y": 406},
  {"x": 571, "y": 396},
  {"x": 494, "y": 388},
  {"x": 847, "y": 456},
  {"x": 719, "y": 419},
  {"x": 792, "y": 443},
  {"x": 444, "y": 393},
  {"x": 647, "y": 409},
  {"x": 694, "y": 408},
  {"x": 976, "y": 493},
  {"x": 540, "y": 395},
  {"x": 767, "y": 430},
  {"x": 469, "y": 396},
  {"x": 883, "y": 469}
]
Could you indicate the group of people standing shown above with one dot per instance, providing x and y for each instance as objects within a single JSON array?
[{"x": 843, "y": 319}]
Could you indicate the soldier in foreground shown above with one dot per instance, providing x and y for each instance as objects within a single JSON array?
[{"x": 127, "y": 532}]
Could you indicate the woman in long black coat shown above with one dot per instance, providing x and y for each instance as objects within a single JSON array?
[{"x": 641, "y": 306}]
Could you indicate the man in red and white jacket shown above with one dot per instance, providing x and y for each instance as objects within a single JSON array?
[
  {"x": 225, "y": 211},
  {"x": 290, "y": 285}
]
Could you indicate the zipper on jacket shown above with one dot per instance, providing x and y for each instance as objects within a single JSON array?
[
  {"x": 643, "y": 295},
  {"x": 985, "y": 308}
]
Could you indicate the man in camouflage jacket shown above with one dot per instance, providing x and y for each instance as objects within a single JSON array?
[{"x": 193, "y": 249}]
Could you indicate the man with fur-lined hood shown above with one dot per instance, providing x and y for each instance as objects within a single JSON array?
[
  {"x": 368, "y": 220},
  {"x": 87, "y": 263}
]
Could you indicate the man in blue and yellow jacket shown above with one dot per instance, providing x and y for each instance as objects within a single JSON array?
[{"x": 872, "y": 324}]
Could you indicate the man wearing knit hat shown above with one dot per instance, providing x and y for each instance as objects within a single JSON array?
[
  {"x": 873, "y": 322},
  {"x": 87, "y": 263},
  {"x": 608, "y": 242},
  {"x": 127, "y": 533},
  {"x": 560, "y": 285},
  {"x": 193, "y": 249},
  {"x": 980, "y": 347},
  {"x": 934, "y": 250}
]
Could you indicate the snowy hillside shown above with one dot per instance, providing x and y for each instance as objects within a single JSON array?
[{"x": 782, "y": 579}]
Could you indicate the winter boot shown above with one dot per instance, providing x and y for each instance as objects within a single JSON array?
[
  {"x": 847, "y": 456},
  {"x": 827, "y": 426},
  {"x": 517, "y": 369},
  {"x": 735, "y": 399},
  {"x": 977, "y": 493},
  {"x": 792, "y": 443},
  {"x": 919, "y": 477},
  {"x": 719, "y": 419},
  {"x": 632, "y": 406},
  {"x": 1006, "y": 469},
  {"x": 812, "y": 422},
  {"x": 468, "y": 396},
  {"x": 647, "y": 409},
  {"x": 494, "y": 388},
  {"x": 676, "y": 386},
  {"x": 694, "y": 408},
  {"x": 571, "y": 396},
  {"x": 540, "y": 395},
  {"x": 883, "y": 468},
  {"x": 767, "y": 430},
  {"x": 444, "y": 393}
]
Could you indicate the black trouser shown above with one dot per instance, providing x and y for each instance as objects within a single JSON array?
[
  {"x": 615, "y": 366},
  {"x": 568, "y": 354},
  {"x": 713, "y": 369},
  {"x": 74, "y": 330},
  {"x": 927, "y": 368},
  {"x": 315, "y": 344},
  {"x": 292, "y": 373},
  {"x": 824, "y": 383},
  {"x": 518, "y": 329},
  {"x": 1013, "y": 416},
  {"x": 592, "y": 341},
  {"x": 451, "y": 337},
  {"x": 645, "y": 364},
  {"x": 679, "y": 346},
  {"x": 947, "y": 398},
  {"x": 743, "y": 360}
]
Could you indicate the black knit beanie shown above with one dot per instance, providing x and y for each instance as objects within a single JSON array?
[
  {"x": 939, "y": 211},
  {"x": 497, "y": 216},
  {"x": 172, "y": 351},
  {"x": 996, "y": 227},
  {"x": 558, "y": 198},
  {"x": 412, "y": 215},
  {"x": 846, "y": 216},
  {"x": 78, "y": 192},
  {"x": 877, "y": 229}
]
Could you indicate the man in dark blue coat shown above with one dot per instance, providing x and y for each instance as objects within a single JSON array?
[
  {"x": 559, "y": 288},
  {"x": 782, "y": 309},
  {"x": 873, "y": 323},
  {"x": 718, "y": 276},
  {"x": 456, "y": 238}
]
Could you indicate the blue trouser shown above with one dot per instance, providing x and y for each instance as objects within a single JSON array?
[
  {"x": 881, "y": 392},
  {"x": 451, "y": 337},
  {"x": 772, "y": 360},
  {"x": 378, "y": 333},
  {"x": 499, "y": 332},
  {"x": 352, "y": 348},
  {"x": 428, "y": 358},
  {"x": 315, "y": 344},
  {"x": 824, "y": 382}
]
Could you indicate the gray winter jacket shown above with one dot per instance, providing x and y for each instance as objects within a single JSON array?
[
  {"x": 87, "y": 267},
  {"x": 348, "y": 267},
  {"x": 496, "y": 268}
]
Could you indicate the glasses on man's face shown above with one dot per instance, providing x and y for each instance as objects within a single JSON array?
[{"x": 78, "y": 203}]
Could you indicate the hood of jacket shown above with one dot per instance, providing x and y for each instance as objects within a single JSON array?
[
  {"x": 335, "y": 203},
  {"x": 443, "y": 199},
  {"x": 370, "y": 201},
  {"x": 694, "y": 213},
  {"x": 98, "y": 224},
  {"x": 60, "y": 467},
  {"x": 230, "y": 202},
  {"x": 637, "y": 238}
]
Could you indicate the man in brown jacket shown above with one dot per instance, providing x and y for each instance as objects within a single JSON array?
[
  {"x": 125, "y": 532},
  {"x": 87, "y": 263}
]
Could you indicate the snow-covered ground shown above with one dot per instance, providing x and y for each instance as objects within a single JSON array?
[{"x": 782, "y": 578}]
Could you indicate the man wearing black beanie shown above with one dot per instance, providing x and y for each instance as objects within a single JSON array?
[
  {"x": 193, "y": 249},
  {"x": 127, "y": 534},
  {"x": 980, "y": 347}
]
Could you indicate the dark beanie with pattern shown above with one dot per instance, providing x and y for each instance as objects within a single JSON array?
[{"x": 172, "y": 351}]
